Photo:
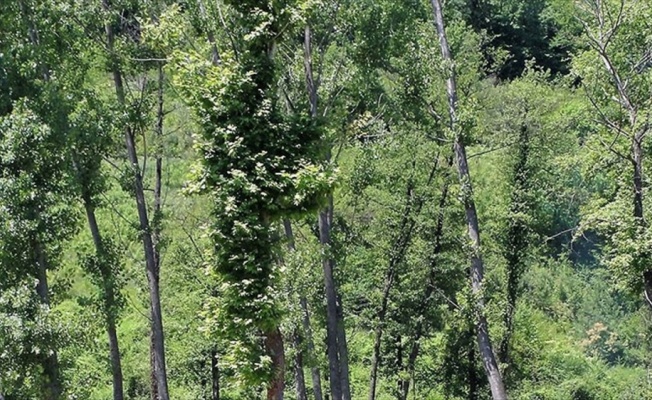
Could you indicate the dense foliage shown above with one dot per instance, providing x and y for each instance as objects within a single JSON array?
[{"x": 276, "y": 199}]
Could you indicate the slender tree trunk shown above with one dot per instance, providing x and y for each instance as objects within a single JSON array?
[
  {"x": 50, "y": 362},
  {"x": 298, "y": 367},
  {"x": 375, "y": 359},
  {"x": 397, "y": 255},
  {"x": 516, "y": 240},
  {"x": 109, "y": 303},
  {"x": 307, "y": 328},
  {"x": 473, "y": 375},
  {"x": 430, "y": 284},
  {"x": 52, "y": 387},
  {"x": 156, "y": 223},
  {"x": 496, "y": 384},
  {"x": 215, "y": 376},
  {"x": 215, "y": 55},
  {"x": 328, "y": 263},
  {"x": 145, "y": 228},
  {"x": 310, "y": 346},
  {"x": 275, "y": 348},
  {"x": 398, "y": 252},
  {"x": 335, "y": 332},
  {"x": 637, "y": 164},
  {"x": 343, "y": 351}
]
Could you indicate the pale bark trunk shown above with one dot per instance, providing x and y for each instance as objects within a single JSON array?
[
  {"x": 310, "y": 346},
  {"x": 492, "y": 371},
  {"x": 145, "y": 227}
]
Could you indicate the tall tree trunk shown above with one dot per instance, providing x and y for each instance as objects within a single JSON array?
[
  {"x": 328, "y": 264},
  {"x": 307, "y": 328},
  {"x": 298, "y": 367},
  {"x": 50, "y": 362},
  {"x": 156, "y": 223},
  {"x": 335, "y": 332},
  {"x": 109, "y": 302},
  {"x": 343, "y": 351},
  {"x": 430, "y": 287},
  {"x": 215, "y": 376},
  {"x": 516, "y": 240},
  {"x": 215, "y": 55},
  {"x": 472, "y": 374},
  {"x": 637, "y": 164},
  {"x": 397, "y": 255},
  {"x": 492, "y": 371},
  {"x": 310, "y": 346},
  {"x": 145, "y": 227},
  {"x": 275, "y": 348}
]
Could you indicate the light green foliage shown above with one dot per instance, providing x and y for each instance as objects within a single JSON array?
[
  {"x": 241, "y": 153},
  {"x": 258, "y": 167}
]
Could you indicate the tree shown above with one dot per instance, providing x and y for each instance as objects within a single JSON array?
[
  {"x": 259, "y": 168},
  {"x": 619, "y": 94},
  {"x": 477, "y": 267},
  {"x": 146, "y": 231}
]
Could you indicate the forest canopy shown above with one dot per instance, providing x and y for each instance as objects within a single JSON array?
[{"x": 325, "y": 199}]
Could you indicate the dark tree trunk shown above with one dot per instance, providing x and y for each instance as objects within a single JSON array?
[
  {"x": 473, "y": 375},
  {"x": 430, "y": 284},
  {"x": 108, "y": 288},
  {"x": 215, "y": 376},
  {"x": 50, "y": 362},
  {"x": 145, "y": 228},
  {"x": 516, "y": 245},
  {"x": 307, "y": 328},
  {"x": 336, "y": 331},
  {"x": 215, "y": 55},
  {"x": 274, "y": 347},
  {"x": 490, "y": 363},
  {"x": 298, "y": 368},
  {"x": 343, "y": 351},
  {"x": 156, "y": 223},
  {"x": 397, "y": 255},
  {"x": 331, "y": 307}
]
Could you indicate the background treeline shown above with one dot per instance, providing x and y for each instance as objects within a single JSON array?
[{"x": 325, "y": 199}]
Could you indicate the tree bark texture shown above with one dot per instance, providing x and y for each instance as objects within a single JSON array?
[
  {"x": 52, "y": 381},
  {"x": 429, "y": 289},
  {"x": 490, "y": 364},
  {"x": 516, "y": 240},
  {"x": 336, "y": 331},
  {"x": 274, "y": 347},
  {"x": 298, "y": 367},
  {"x": 145, "y": 227},
  {"x": 307, "y": 328},
  {"x": 108, "y": 287},
  {"x": 331, "y": 307}
]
